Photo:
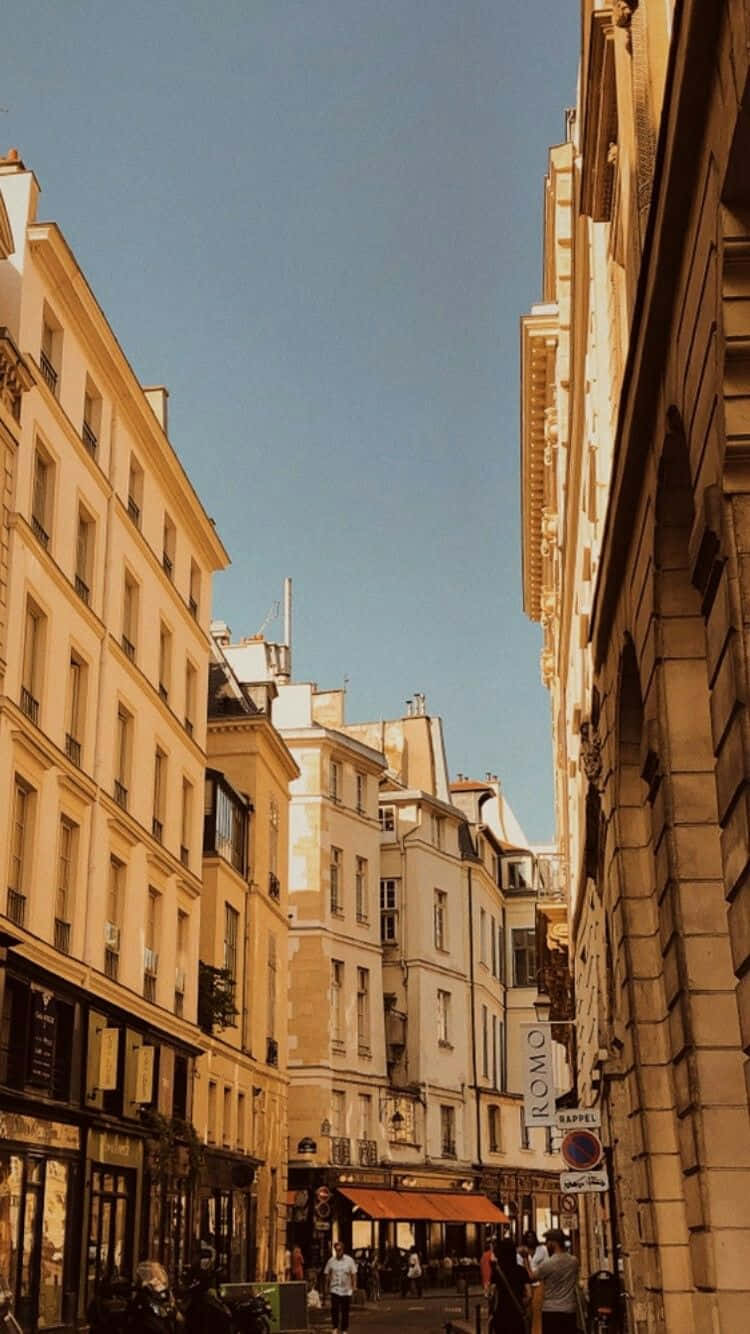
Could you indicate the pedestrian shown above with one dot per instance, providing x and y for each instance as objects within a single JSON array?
[
  {"x": 559, "y": 1274},
  {"x": 485, "y": 1264},
  {"x": 414, "y": 1272},
  {"x": 298, "y": 1265},
  {"x": 511, "y": 1291},
  {"x": 340, "y": 1274},
  {"x": 531, "y": 1251}
]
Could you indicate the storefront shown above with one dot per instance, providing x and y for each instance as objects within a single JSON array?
[
  {"x": 227, "y": 1209},
  {"x": 111, "y": 1201}
]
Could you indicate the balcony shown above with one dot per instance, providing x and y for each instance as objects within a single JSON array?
[
  {"x": 367, "y": 1152},
  {"x": 29, "y": 705},
  {"x": 157, "y": 829},
  {"x": 73, "y": 750},
  {"x": 82, "y": 589},
  {"x": 62, "y": 936},
  {"x": 49, "y": 373},
  {"x": 128, "y": 648},
  {"x": 167, "y": 564},
  {"x": 274, "y": 886},
  {"x": 121, "y": 794},
  {"x": 272, "y": 1052},
  {"x": 134, "y": 511},
  {"x": 16, "y": 906},
  {"x": 184, "y": 855},
  {"x": 341, "y": 1151},
  {"x": 39, "y": 531},
  {"x": 89, "y": 439}
]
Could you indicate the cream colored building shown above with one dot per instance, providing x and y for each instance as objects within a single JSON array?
[
  {"x": 634, "y": 510},
  {"x": 107, "y": 558}
]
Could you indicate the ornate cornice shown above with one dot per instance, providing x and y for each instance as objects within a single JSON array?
[{"x": 15, "y": 376}]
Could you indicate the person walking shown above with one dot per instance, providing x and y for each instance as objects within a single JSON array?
[
  {"x": 340, "y": 1274},
  {"x": 298, "y": 1265},
  {"x": 559, "y": 1274},
  {"x": 486, "y": 1261},
  {"x": 510, "y": 1292},
  {"x": 414, "y": 1272}
]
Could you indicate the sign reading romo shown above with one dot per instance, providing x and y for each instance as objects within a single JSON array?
[{"x": 538, "y": 1076}]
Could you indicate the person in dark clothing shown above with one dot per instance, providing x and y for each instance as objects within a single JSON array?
[{"x": 510, "y": 1293}]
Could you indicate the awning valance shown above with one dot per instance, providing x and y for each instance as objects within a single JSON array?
[{"x": 432, "y": 1206}]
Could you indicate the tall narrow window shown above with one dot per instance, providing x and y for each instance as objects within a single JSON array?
[
  {"x": 387, "y": 817},
  {"x": 66, "y": 850},
  {"x": 362, "y": 892},
  {"x": 335, "y": 874},
  {"x": 495, "y": 1066},
  {"x": 389, "y": 911},
  {"x": 92, "y": 418},
  {"x": 361, "y": 793},
  {"x": 129, "y": 615},
  {"x": 334, "y": 781},
  {"x": 194, "y": 596},
  {"x": 272, "y": 986},
  {"x": 338, "y": 1112},
  {"x": 241, "y": 1118},
  {"x": 493, "y": 944},
  {"x": 181, "y": 961},
  {"x": 482, "y": 936},
  {"x": 123, "y": 747},
  {"x": 447, "y": 1131},
  {"x": 231, "y": 934},
  {"x": 485, "y": 1042},
  {"x": 190, "y": 689},
  {"x": 494, "y": 1125},
  {"x": 524, "y": 957},
  {"x": 501, "y": 1056},
  {"x": 274, "y": 884},
  {"x": 135, "y": 490},
  {"x": 443, "y": 1018},
  {"x": 169, "y": 540},
  {"x": 365, "y": 1116},
  {"x": 440, "y": 919},
  {"x": 41, "y": 497},
  {"x": 16, "y": 903},
  {"x": 186, "y": 822},
  {"x": 165, "y": 661},
  {"x": 337, "y": 1002},
  {"x": 84, "y": 555},
  {"x": 115, "y": 894},
  {"x": 363, "y": 1011},
  {"x": 501, "y": 950},
  {"x": 160, "y": 784},
  {"x": 151, "y": 949},
  {"x": 33, "y": 646},
  {"x": 211, "y": 1127},
  {"x": 437, "y": 831},
  {"x": 50, "y": 351}
]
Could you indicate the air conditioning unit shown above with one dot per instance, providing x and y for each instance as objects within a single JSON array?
[{"x": 111, "y": 936}]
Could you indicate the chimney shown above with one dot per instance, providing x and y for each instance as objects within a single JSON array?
[
  {"x": 157, "y": 397},
  {"x": 221, "y": 633}
]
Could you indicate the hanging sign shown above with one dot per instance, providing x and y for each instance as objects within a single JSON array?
[
  {"x": 109, "y": 1045},
  {"x": 538, "y": 1077},
  {"x": 144, "y": 1075},
  {"x": 584, "y": 1183},
  {"x": 43, "y": 1036}
]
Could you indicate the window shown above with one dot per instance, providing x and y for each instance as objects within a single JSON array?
[
  {"x": 211, "y": 1127},
  {"x": 485, "y": 1042},
  {"x": 123, "y": 750},
  {"x": 272, "y": 985},
  {"x": 165, "y": 661},
  {"x": 494, "y": 1051},
  {"x": 493, "y": 943},
  {"x": 33, "y": 649},
  {"x": 129, "y": 615},
  {"x": 115, "y": 894},
  {"x": 443, "y": 1018},
  {"x": 92, "y": 417},
  {"x": 274, "y": 884},
  {"x": 75, "y": 708},
  {"x": 501, "y": 1056},
  {"x": 186, "y": 821},
  {"x": 483, "y": 936},
  {"x": 17, "y": 870},
  {"x": 181, "y": 956},
  {"x": 225, "y": 822},
  {"x": 387, "y": 817},
  {"x": 226, "y": 1120},
  {"x": 501, "y": 951},
  {"x": 337, "y": 1002},
  {"x": 361, "y": 783},
  {"x": 524, "y": 956},
  {"x": 231, "y": 933},
  {"x": 437, "y": 830},
  {"x": 440, "y": 912},
  {"x": 241, "y": 1118},
  {"x": 151, "y": 944},
  {"x": 363, "y": 1011},
  {"x": 525, "y": 1140},
  {"x": 364, "y": 1101},
  {"x": 335, "y": 872},
  {"x": 338, "y": 1112},
  {"x": 191, "y": 677},
  {"x": 194, "y": 596},
  {"x": 50, "y": 353},
  {"x": 66, "y": 851},
  {"x": 495, "y": 1129},
  {"x": 135, "y": 490},
  {"x": 389, "y": 911},
  {"x": 84, "y": 555},
  {"x": 362, "y": 893},
  {"x": 41, "y": 496},
  {"x": 169, "y": 541},
  {"x": 519, "y": 874},
  {"x": 160, "y": 785},
  {"x": 334, "y": 780},
  {"x": 447, "y": 1132}
]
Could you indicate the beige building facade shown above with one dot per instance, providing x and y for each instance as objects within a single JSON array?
[{"x": 634, "y": 509}]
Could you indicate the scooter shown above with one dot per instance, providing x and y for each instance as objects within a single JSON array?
[
  {"x": 152, "y": 1308},
  {"x": 202, "y": 1308},
  {"x": 250, "y": 1315},
  {"x": 109, "y": 1310}
]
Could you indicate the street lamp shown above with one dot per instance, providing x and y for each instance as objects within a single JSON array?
[{"x": 542, "y": 1008}]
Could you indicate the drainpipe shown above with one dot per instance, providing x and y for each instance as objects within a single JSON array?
[{"x": 477, "y": 1099}]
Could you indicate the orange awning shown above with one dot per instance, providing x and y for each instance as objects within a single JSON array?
[{"x": 432, "y": 1206}]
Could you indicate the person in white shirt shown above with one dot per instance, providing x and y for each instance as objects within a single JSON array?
[{"x": 340, "y": 1275}]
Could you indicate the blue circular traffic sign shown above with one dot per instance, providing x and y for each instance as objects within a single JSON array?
[{"x": 581, "y": 1150}]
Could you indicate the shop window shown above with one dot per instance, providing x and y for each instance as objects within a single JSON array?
[
  {"x": 110, "y": 1234},
  {"x": 36, "y": 1041},
  {"x": 35, "y": 1210},
  {"x": 180, "y": 1088}
]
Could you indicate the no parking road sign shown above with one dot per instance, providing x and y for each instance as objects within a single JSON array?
[{"x": 581, "y": 1150}]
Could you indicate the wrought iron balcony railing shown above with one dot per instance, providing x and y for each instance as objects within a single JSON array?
[
  {"x": 62, "y": 936},
  {"x": 82, "y": 589},
  {"x": 367, "y": 1152},
  {"x": 128, "y": 648},
  {"x": 16, "y": 906},
  {"x": 157, "y": 829},
  {"x": 48, "y": 371},
  {"x": 134, "y": 510},
  {"x": 29, "y": 705},
  {"x": 274, "y": 886},
  {"x": 89, "y": 439},
  {"x": 73, "y": 749},
  {"x": 39, "y": 531},
  {"x": 121, "y": 794},
  {"x": 341, "y": 1151}
]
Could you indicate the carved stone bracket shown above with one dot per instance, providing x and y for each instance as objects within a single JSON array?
[
  {"x": 15, "y": 376},
  {"x": 623, "y": 11},
  {"x": 591, "y": 752}
]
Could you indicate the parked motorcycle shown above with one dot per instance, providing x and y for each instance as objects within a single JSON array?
[
  {"x": 202, "y": 1308},
  {"x": 152, "y": 1307},
  {"x": 109, "y": 1310},
  {"x": 250, "y": 1314}
]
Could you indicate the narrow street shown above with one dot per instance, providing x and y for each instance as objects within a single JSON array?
[{"x": 432, "y": 1311}]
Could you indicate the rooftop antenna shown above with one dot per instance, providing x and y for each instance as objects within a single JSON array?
[
  {"x": 288, "y": 623},
  {"x": 270, "y": 615}
]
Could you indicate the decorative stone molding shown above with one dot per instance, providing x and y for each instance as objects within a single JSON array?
[
  {"x": 623, "y": 11},
  {"x": 591, "y": 752},
  {"x": 15, "y": 376}
]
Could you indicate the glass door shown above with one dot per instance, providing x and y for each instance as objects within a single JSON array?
[{"x": 110, "y": 1243}]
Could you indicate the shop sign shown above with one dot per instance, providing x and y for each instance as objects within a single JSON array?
[
  {"x": 108, "y": 1052},
  {"x": 579, "y": 1118},
  {"x": 320, "y": 1225},
  {"x": 584, "y": 1183},
  {"x": 30, "y": 1130},
  {"x": 538, "y": 1075},
  {"x": 144, "y": 1075},
  {"x": 43, "y": 1035}
]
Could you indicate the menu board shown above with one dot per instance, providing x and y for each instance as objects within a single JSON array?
[{"x": 42, "y": 1039}]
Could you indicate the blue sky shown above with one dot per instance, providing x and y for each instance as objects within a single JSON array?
[{"x": 317, "y": 222}]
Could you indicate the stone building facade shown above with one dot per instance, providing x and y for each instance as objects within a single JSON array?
[{"x": 636, "y": 496}]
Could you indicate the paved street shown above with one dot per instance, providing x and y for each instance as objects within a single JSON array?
[{"x": 430, "y": 1312}]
